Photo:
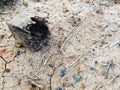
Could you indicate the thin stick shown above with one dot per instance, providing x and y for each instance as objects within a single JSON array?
[
  {"x": 65, "y": 42},
  {"x": 114, "y": 77},
  {"x": 47, "y": 59},
  {"x": 108, "y": 68},
  {"x": 30, "y": 59},
  {"x": 68, "y": 37},
  {"x": 42, "y": 59},
  {"x": 38, "y": 84},
  {"x": 64, "y": 53},
  {"x": 99, "y": 87},
  {"x": 112, "y": 44},
  {"x": 75, "y": 61}
]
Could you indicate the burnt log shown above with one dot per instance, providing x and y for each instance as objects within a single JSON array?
[{"x": 34, "y": 34}]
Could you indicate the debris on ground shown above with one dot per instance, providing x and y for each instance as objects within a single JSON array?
[
  {"x": 17, "y": 53},
  {"x": 81, "y": 51},
  {"x": 77, "y": 78},
  {"x": 33, "y": 35},
  {"x": 62, "y": 72}
]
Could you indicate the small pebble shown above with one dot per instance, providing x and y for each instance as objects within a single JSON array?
[
  {"x": 95, "y": 62},
  {"x": 94, "y": 41},
  {"x": 93, "y": 49},
  {"x": 59, "y": 88},
  {"x": 92, "y": 68},
  {"x": 110, "y": 35},
  {"x": 77, "y": 78},
  {"x": 17, "y": 53},
  {"x": 50, "y": 65}
]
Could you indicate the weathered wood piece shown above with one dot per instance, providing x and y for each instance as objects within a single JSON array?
[{"x": 32, "y": 34}]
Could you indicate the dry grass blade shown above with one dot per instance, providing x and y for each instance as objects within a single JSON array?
[
  {"x": 68, "y": 37},
  {"x": 114, "y": 77},
  {"x": 110, "y": 64},
  {"x": 38, "y": 84},
  {"x": 47, "y": 59},
  {"x": 75, "y": 61}
]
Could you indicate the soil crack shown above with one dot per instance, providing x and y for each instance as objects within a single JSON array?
[{"x": 5, "y": 68}]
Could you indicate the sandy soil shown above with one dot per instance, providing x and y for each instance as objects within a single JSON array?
[{"x": 85, "y": 41}]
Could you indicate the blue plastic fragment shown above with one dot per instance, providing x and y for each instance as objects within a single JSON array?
[
  {"x": 77, "y": 78},
  {"x": 62, "y": 72},
  {"x": 92, "y": 68},
  {"x": 17, "y": 53},
  {"x": 59, "y": 88}
]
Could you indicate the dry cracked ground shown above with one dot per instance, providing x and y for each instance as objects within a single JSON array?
[{"x": 85, "y": 39}]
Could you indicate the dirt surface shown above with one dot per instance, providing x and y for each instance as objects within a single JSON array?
[{"x": 82, "y": 54}]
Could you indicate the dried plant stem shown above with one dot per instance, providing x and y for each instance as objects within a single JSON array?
[
  {"x": 114, "y": 77},
  {"x": 75, "y": 61},
  {"x": 68, "y": 37},
  {"x": 47, "y": 59},
  {"x": 108, "y": 68}
]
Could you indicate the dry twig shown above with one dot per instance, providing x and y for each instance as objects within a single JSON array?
[
  {"x": 47, "y": 59},
  {"x": 68, "y": 37},
  {"x": 75, "y": 61},
  {"x": 114, "y": 77},
  {"x": 110, "y": 64}
]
